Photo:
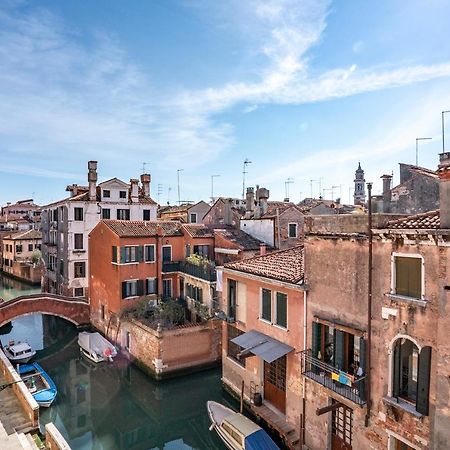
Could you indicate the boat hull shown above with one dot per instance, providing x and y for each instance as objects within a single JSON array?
[
  {"x": 45, "y": 396},
  {"x": 91, "y": 357}
]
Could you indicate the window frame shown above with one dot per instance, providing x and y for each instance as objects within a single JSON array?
[
  {"x": 261, "y": 306},
  {"x": 276, "y": 310},
  {"x": 76, "y": 217},
  {"x": 75, "y": 247},
  {"x": 162, "y": 253},
  {"x": 190, "y": 217},
  {"x": 106, "y": 191},
  {"x": 155, "y": 280},
  {"x": 171, "y": 287},
  {"x": 122, "y": 194},
  {"x": 108, "y": 210},
  {"x": 394, "y": 273},
  {"x": 123, "y": 210},
  {"x": 289, "y": 230},
  {"x": 82, "y": 264},
  {"x": 154, "y": 253}
]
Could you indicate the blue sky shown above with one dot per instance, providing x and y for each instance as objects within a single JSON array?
[{"x": 304, "y": 89}]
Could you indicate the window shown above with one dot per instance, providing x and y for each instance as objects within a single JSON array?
[
  {"x": 234, "y": 349},
  {"x": 123, "y": 194},
  {"x": 123, "y": 214},
  {"x": 193, "y": 218},
  {"x": 342, "y": 426},
  {"x": 106, "y": 193},
  {"x": 408, "y": 276},
  {"x": 78, "y": 241},
  {"x": 188, "y": 250},
  {"x": 292, "y": 230},
  {"x": 281, "y": 319},
  {"x": 151, "y": 286},
  {"x": 18, "y": 248},
  {"x": 79, "y": 269},
  {"x": 400, "y": 445},
  {"x": 167, "y": 253},
  {"x": 61, "y": 267},
  {"x": 78, "y": 292},
  {"x": 102, "y": 312},
  {"x": 411, "y": 374},
  {"x": 146, "y": 214},
  {"x": 78, "y": 214},
  {"x": 202, "y": 250},
  {"x": 231, "y": 299},
  {"x": 106, "y": 213},
  {"x": 167, "y": 288},
  {"x": 30, "y": 247},
  {"x": 131, "y": 254},
  {"x": 194, "y": 292},
  {"x": 114, "y": 253},
  {"x": 149, "y": 253},
  {"x": 132, "y": 288},
  {"x": 266, "y": 305}
]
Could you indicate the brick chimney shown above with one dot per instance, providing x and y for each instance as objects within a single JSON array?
[
  {"x": 263, "y": 196},
  {"x": 387, "y": 181},
  {"x": 145, "y": 180},
  {"x": 250, "y": 200},
  {"x": 228, "y": 212},
  {"x": 134, "y": 190},
  {"x": 262, "y": 248},
  {"x": 92, "y": 180},
  {"x": 444, "y": 189}
]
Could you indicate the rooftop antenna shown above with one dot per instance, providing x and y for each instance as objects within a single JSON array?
[
  {"x": 286, "y": 188},
  {"x": 417, "y": 147},
  {"x": 311, "y": 187},
  {"x": 336, "y": 187},
  {"x": 160, "y": 191},
  {"x": 244, "y": 171},
  {"x": 178, "y": 183},
  {"x": 143, "y": 166},
  {"x": 168, "y": 195}
]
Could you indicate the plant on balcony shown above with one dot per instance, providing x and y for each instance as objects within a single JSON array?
[
  {"x": 36, "y": 257},
  {"x": 198, "y": 260}
]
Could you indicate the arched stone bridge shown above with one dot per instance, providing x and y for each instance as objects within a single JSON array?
[{"x": 74, "y": 310}]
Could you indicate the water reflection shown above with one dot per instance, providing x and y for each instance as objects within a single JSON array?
[{"x": 11, "y": 288}]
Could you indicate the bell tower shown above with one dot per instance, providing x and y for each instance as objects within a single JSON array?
[{"x": 359, "y": 196}]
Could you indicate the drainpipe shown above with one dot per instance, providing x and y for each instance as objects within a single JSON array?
[
  {"x": 303, "y": 421},
  {"x": 369, "y": 305}
]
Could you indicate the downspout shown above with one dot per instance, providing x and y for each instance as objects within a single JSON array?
[
  {"x": 278, "y": 229},
  {"x": 369, "y": 306},
  {"x": 303, "y": 420}
]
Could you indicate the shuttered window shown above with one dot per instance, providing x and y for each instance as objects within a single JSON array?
[
  {"x": 149, "y": 253},
  {"x": 266, "y": 305},
  {"x": 408, "y": 276},
  {"x": 281, "y": 319},
  {"x": 151, "y": 286},
  {"x": 131, "y": 254},
  {"x": 114, "y": 253},
  {"x": 130, "y": 288}
]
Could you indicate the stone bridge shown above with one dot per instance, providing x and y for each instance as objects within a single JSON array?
[{"x": 75, "y": 310}]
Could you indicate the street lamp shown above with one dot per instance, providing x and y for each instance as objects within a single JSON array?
[
  {"x": 212, "y": 186},
  {"x": 178, "y": 183},
  {"x": 443, "y": 130},
  {"x": 417, "y": 147}
]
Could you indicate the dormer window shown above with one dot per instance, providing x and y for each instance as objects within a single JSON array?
[
  {"x": 123, "y": 194},
  {"x": 106, "y": 193}
]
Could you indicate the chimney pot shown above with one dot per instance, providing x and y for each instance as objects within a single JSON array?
[
  {"x": 134, "y": 190},
  {"x": 145, "y": 180},
  {"x": 444, "y": 189},
  {"x": 262, "y": 249},
  {"x": 92, "y": 180}
]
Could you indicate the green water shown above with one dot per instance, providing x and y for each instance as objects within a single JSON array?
[
  {"x": 116, "y": 406},
  {"x": 11, "y": 288}
]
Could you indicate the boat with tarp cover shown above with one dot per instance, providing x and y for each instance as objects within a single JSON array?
[
  {"x": 237, "y": 431},
  {"x": 39, "y": 383},
  {"x": 95, "y": 347}
]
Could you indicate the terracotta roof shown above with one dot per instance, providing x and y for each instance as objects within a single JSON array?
[
  {"x": 423, "y": 171},
  {"x": 428, "y": 220},
  {"x": 198, "y": 230},
  {"x": 140, "y": 228},
  {"x": 176, "y": 208},
  {"x": 29, "y": 234},
  {"x": 240, "y": 238},
  {"x": 283, "y": 265}
]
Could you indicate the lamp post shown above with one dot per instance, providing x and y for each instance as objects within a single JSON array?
[
  {"x": 178, "y": 183},
  {"x": 443, "y": 130},
  {"x": 212, "y": 186},
  {"x": 417, "y": 147}
]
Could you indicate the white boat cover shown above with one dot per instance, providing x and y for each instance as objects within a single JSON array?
[{"x": 95, "y": 342}]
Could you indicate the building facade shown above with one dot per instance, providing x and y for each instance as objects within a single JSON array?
[{"x": 67, "y": 223}]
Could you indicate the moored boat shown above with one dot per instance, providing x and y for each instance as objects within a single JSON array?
[
  {"x": 95, "y": 347},
  {"x": 19, "y": 352},
  {"x": 39, "y": 383},
  {"x": 237, "y": 431}
]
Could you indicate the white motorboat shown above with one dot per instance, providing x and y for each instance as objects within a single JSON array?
[
  {"x": 19, "y": 352},
  {"x": 95, "y": 347},
  {"x": 237, "y": 431}
]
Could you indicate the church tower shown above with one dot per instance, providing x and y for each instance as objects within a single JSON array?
[{"x": 359, "y": 197}]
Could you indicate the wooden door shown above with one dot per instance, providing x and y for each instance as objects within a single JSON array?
[
  {"x": 341, "y": 429},
  {"x": 275, "y": 383}
]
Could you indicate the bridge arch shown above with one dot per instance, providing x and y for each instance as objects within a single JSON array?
[{"x": 72, "y": 309}]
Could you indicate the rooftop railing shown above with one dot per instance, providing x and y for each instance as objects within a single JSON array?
[{"x": 350, "y": 387}]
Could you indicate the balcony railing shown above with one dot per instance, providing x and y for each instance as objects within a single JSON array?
[
  {"x": 171, "y": 266},
  {"x": 352, "y": 388},
  {"x": 205, "y": 272}
]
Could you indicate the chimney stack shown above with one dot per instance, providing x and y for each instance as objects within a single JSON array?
[
  {"x": 263, "y": 196},
  {"x": 92, "y": 179},
  {"x": 134, "y": 190},
  {"x": 262, "y": 248},
  {"x": 387, "y": 180},
  {"x": 444, "y": 189},
  {"x": 228, "y": 213},
  {"x": 250, "y": 199},
  {"x": 145, "y": 180}
]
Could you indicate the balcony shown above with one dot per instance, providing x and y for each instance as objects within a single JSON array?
[
  {"x": 171, "y": 266},
  {"x": 204, "y": 271},
  {"x": 337, "y": 381}
]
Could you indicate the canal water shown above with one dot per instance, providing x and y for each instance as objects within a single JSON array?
[
  {"x": 115, "y": 405},
  {"x": 11, "y": 288}
]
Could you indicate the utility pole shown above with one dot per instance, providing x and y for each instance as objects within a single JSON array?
[
  {"x": 286, "y": 188},
  {"x": 244, "y": 171},
  {"x": 178, "y": 183},
  {"x": 443, "y": 130},
  {"x": 369, "y": 307},
  {"x": 417, "y": 147},
  {"x": 212, "y": 186}
]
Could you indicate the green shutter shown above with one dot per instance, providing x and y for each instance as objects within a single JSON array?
[
  {"x": 415, "y": 278},
  {"x": 396, "y": 374},
  {"x": 362, "y": 354},
  {"x": 122, "y": 255},
  {"x": 140, "y": 253},
  {"x": 423, "y": 381},
  {"x": 124, "y": 289},
  {"x": 266, "y": 312},
  {"x": 316, "y": 339},
  {"x": 114, "y": 253},
  {"x": 282, "y": 309},
  {"x": 339, "y": 350},
  {"x": 140, "y": 287},
  {"x": 401, "y": 275}
]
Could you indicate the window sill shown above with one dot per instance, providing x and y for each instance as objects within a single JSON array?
[
  {"x": 280, "y": 327},
  {"x": 403, "y": 405},
  {"x": 150, "y": 262},
  {"x": 268, "y": 322},
  {"x": 410, "y": 300}
]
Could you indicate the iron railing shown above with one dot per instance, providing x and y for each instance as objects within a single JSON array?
[
  {"x": 205, "y": 272},
  {"x": 350, "y": 387},
  {"x": 171, "y": 266}
]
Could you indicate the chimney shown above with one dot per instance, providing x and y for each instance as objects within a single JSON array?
[
  {"x": 227, "y": 213},
  {"x": 250, "y": 200},
  {"x": 262, "y": 248},
  {"x": 145, "y": 180},
  {"x": 134, "y": 190},
  {"x": 387, "y": 180},
  {"x": 444, "y": 189},
  {"x": 92, "y": 179},
  {"x": 263, "y": 196}
]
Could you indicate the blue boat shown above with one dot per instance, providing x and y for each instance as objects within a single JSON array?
[
  {"x": 237, "y": 431},
  {"x": 39, "y": 383}
]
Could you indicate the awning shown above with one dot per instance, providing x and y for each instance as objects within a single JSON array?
[{"x": 266, "y": 347}]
